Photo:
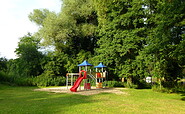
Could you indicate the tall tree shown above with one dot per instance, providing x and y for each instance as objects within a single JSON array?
[
  {"x": 29, "y": 58},
  {"x": 71, "y": 30},
  {"x": 122, "y": 32},
  {"x": 166, "y": 39}
]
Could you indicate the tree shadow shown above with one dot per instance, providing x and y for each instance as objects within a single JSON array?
[
  {"x": 61, "y": 102},
  {"x": 183, "y": 96},
  {"x": 182, "y": 93},
  {"x": 25, "y": 99}
]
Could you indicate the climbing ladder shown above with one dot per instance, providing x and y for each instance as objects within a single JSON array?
[{"x": 71, "y": 78}]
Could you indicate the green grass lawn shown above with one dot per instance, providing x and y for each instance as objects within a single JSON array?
[{"x": 23, "y": 100}]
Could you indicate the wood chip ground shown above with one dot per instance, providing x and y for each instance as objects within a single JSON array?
[{"x": 92, "y": 91}]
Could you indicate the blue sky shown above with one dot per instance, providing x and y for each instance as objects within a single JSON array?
[{"x": 14, "y": 22}]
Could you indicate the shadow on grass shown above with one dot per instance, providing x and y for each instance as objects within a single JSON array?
[
  {"x": 49, "y": 102},
  {"x": 25, "y": 100},
  {"x": 183, "y": 96},
  {"x": 62, "y": 102}
]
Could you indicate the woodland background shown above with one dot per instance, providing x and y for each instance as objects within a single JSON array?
[{"x": 134, "y": 38}]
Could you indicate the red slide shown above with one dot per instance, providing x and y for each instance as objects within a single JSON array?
[{"x": 78, "y": 81}]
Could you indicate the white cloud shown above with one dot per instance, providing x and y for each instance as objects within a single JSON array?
[{"x": 14, "y": 22}]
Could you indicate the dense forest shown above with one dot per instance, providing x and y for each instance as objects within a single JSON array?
[{"x": 134, "y": 38}]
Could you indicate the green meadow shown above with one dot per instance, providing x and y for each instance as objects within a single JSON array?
[{"x": 24, "y": 100}]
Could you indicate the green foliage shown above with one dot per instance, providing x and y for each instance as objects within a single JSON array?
[
  {"x": 164, "y": 39},
  {"x": 49, "y": 79},
  {"x": 3, "y": 64},
  {"x": 14, "y": 80},
  {"x": 130, "y": 85},
  {"x": 134, "y": 38},
  {"x": 29, "y": 58},
  {"x": 161, "y": 89},
  {"x": 141, "y": 38},
  {"x": 38, "y": 16},
  {"x": 122, "y": 35},
  {"x": 22, "y": 81},
  {"x": 114, "y": 84},
  {"x": 3, "y": 77},
  {"x": 179, "y": 88},
  {"x": 70, "y": 31},
  {"x": 55, "y": 63},
  {"x": 142, "y": 84}
]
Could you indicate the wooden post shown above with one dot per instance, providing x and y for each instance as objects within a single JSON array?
[
  {"x": 72, "y": 80},
  {"x": 67, "y": 81},
  {"x": 86, "y": 68},
  {"x": 122, "y": 79}
]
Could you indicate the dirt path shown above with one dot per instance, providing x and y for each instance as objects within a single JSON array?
[{"x": 92, "y": 91}]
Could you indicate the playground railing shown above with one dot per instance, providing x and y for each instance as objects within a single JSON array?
[{"x": 92, "y": 76}]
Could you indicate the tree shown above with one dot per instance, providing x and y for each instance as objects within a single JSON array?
[
  {"x": 165, "y": 42},
  {"x": 3, "y": 64},
  {"x": 38, "y": 16},
  {"x": 71, "y": 30},
  {"x": 29, "y": 58},
  {"x": 122, "y": 34},
  {"x": 135, "y": 38}
]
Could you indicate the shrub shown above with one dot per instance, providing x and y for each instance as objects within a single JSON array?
[
  {"x": 15, "y": 80},
  {"x": 142, "y": 84},
  {"x": 25, "y": 81},
  {"x": 48, "y": 79},
  {"x": 3, "y": 77},
  {"x": 176, "y": 89},
  {"x": 114, "y": 83},
  {"x": 159, "y": 88},
  {"x": 130, "y": 85}
]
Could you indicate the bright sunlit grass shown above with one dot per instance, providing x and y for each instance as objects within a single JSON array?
[{"x": 21, "y": 100}]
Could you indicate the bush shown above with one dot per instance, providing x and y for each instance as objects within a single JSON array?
[
  {"x": 176, "y": 89},
  {"x": 3, "y": 77},
  {"x": 142, "y": 84},
  {"x": 48, "y": 79},
  {"x": 114, "y": 83},
  {"x": 159, "y": 88},
  {"x": 13, "y": 80},
  {"x": 25, "y": 81},
  {"x": 45, "y": 79},
  {"x": 130, "y": 85}
]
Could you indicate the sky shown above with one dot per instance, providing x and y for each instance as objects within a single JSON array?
[{"x": 14, "y": 21}]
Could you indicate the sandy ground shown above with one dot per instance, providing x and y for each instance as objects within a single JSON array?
[{"x": 81, "y": 91}]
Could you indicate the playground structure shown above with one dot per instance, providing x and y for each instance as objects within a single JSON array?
[{"x": 87, "y": 76}]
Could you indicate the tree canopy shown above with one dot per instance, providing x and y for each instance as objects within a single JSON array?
[{"x": 134, "y": 38}]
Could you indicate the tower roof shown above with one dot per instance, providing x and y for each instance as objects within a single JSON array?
[
  {"x": 100, "y": 66},
  {"x": 85, "y": 63}
]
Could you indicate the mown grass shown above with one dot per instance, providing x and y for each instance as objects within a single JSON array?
[{"x": 23, "y": 100}]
